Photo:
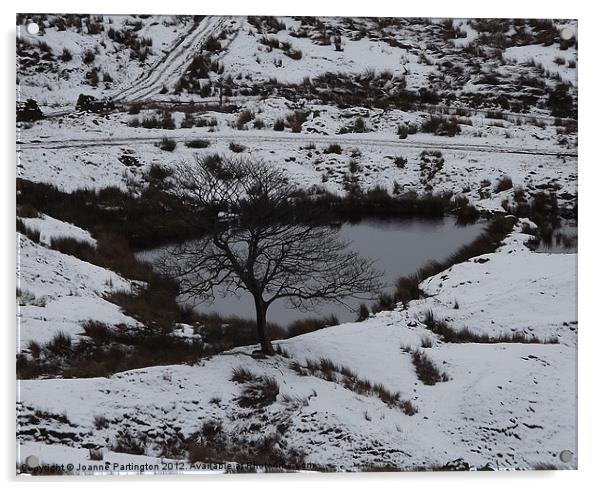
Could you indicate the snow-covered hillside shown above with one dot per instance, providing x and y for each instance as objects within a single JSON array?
[
  {"x": 57, "y": 292},
  {"x": 94, "y": 54},
  {"x": 504, "y": 405},
  {"x": 479, "y": 373},
  {"x": 504, "y": 113}
]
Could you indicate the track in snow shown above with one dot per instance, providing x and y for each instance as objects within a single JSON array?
[
  {"x": 173, "y": 65},
  {"x": 296, "y": 139}
]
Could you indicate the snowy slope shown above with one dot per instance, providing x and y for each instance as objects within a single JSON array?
[
  {"x": 506, "y": 405},
  {"x": 58, "y": 291},
  {"x": 50, "y": 228},
  {"x": 61, "y": 82},
  {"x": 490, "y": 302}
]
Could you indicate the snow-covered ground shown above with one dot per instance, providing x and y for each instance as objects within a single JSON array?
[
  {"x": 89, "y": 148},
  {"x": 60, "y": 87},
  {"x": 504, "y": 405},
  {"x": 507, "y": 405},
  {"x": 57, "y": 292}
]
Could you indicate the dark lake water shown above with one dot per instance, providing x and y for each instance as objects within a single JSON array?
[{"x": 398, "y": 248}]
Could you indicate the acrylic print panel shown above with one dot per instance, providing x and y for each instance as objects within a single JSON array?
[{"x": 295, "y": 243}]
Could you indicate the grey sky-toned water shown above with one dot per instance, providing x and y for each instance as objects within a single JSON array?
[{"x": 398, "y": 248}]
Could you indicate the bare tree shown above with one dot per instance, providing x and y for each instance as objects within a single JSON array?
[{"x": 259, "y": 241}]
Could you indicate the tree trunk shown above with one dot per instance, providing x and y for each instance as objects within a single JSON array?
[{"x": 262, "y": 335}]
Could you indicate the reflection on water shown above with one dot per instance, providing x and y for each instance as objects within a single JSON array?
[
  {"x": 398, "y": 248},
  {"x": 562, "y": 240}
]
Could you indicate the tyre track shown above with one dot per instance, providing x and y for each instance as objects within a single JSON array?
[
  {"x": 119, "y": 96},
  {"x": 296, "y": 139},
  {"x": 175, "y": 62}
]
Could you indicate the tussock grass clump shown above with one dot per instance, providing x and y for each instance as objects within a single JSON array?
[
  {"x": 441, "y": 126},
  {"x": 425, "y": 368},
  {"x": 465, "y": 335},
  {"x": 242, "y": 375},
  {"x": 298, "y": 368},
  {"x": 60, "y": 345},
  {"x": 99, "y": 332},
  {"x": 363, "y": 313},
  {"x": 295, "y": 54},
  {"x": 296, "y": 400},
  {"x": 25, "y": 298},
  {"x": 400, "y": 162},
  {"x": 296, "y": 119},
  {"x": 243, "y": 118},
  {"x": 130, "y": 443},
  {"x": 426, "y": 342},
  {"x": 358, "y": 126},
  {"x": 520, "y": 195},
  {"x": 165, "y": 121},
  {"x": 257, "y": 391},
  {"x": 236, "y": 147},
  {"x": 101, "y": 422},
  {"x": 88, "y": 56},
  {"x": 272, "y": 42},
  {"x": 134, "y": 108},
  {"x": 408, "y": 407},
  {"x": 66, "y": 55},
  {"x": 407, "y": 288},
  {"x": 197, "y": 143},
  {"x": 212, "y": 44},
  {"x": 168, "y": 144},
  {"x": 326, "y": 369},
  {"x": 503, "y": 184},
  {"x": 278, "y": 349},
  {"x": 333, "y": 148}
]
